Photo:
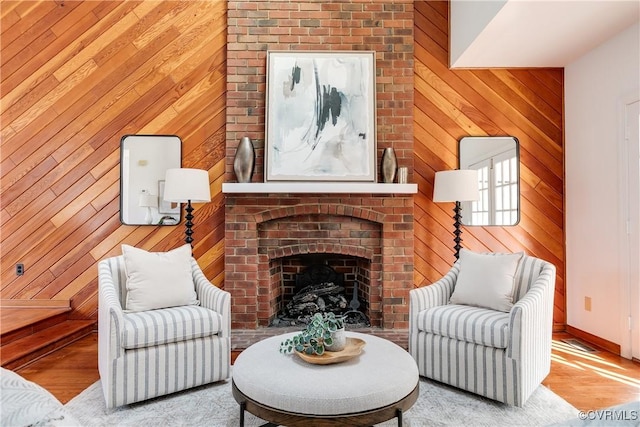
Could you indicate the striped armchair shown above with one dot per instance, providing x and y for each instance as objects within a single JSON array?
[
  {"x": 146, "y": 354},
  {"x": 500, "y": 355}
]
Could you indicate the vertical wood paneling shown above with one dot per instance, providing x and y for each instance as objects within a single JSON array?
[
  {"x": 450, "y": 104},
  {"x": 76, "y": 77}
]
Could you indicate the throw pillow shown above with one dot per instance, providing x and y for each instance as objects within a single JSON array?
[
  {"x": 158, "y": 279},
  {"x": 486, "y": 280}
]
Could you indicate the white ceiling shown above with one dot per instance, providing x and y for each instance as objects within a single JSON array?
[{"x": 535, "y": 33}]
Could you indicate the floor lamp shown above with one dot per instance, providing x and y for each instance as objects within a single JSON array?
[
  {"x": 456, "y": 186},
  {"x": 186, "y": 186}
]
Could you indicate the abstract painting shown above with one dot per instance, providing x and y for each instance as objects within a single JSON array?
[{"x": 321, "y": 123}]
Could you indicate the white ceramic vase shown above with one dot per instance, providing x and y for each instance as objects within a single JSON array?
[{"x": 339, "y": 341}]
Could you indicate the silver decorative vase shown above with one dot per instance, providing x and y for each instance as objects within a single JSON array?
[
  {"x": 389, "y": 165},
  {"x": 244, "y": 160}
]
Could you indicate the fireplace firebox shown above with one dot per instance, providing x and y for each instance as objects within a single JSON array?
[
  {"x": 321, "y": 288},
  {"x": 266, "y": 234}
]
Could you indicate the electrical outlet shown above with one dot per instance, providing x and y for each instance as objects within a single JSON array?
[
  {"x": 587, "y": 303},
  {"x": 19, "y": 269}
]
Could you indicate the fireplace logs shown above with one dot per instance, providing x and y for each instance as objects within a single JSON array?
[{"x": 314, "y": 298}]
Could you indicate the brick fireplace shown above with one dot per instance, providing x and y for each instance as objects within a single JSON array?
[
  {"x": 268, "y": 235},
  {"x": 264, "y": 233}
]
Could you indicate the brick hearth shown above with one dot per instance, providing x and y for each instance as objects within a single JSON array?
[{"x": 243, "y": 338}]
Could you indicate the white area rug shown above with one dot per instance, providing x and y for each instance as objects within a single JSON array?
[{"x": 213, "y": 405}]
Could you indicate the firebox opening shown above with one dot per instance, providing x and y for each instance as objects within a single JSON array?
[{"x": 314, "y": 283}]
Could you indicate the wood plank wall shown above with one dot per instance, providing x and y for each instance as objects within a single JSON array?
[
  {"x": 450, "y": 104},
  {"x": 76, "y": 76}
]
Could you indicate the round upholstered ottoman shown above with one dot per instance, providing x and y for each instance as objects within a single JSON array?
[{"x": 373, "y": 387}]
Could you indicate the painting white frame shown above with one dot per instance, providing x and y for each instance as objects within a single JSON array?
[{"x": 320, "y": 116}]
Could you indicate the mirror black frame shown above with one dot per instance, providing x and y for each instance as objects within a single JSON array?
[
  {"x": 144, "y": 160},
  {"x": 494, "y": 146}
]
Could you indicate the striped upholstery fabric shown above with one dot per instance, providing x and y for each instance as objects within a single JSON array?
[
  {"x": 465, "y": 323},
  {"x": 186, "y": 346},
  {"x": 167, "y": 325},
  {"x": 502, "y": 356}
]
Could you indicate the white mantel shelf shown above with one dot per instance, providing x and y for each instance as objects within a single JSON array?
[{"x": 318, "y": 187}]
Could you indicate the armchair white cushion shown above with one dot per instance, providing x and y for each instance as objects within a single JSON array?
[
  {"x": 146, "y": 354},
  {"x": 158, "y": 279},
  {"x": 486, "y": 280},
  {"x": 500, "y": 355}
]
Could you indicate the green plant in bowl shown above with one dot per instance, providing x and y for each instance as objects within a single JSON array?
[{"x": 316, "y": 336}]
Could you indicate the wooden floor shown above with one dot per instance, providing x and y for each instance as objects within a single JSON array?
[
  {"x": 588, "y": 381},
  {"x": 591, "y": 381}
]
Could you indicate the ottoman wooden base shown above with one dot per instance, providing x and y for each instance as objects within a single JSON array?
[{"x": 362, "y": 419}]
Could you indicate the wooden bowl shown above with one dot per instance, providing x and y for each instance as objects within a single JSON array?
[{"x": 353, "y": 348}]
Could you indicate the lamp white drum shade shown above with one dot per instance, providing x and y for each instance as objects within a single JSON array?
[
  {"x": 456, "y": 186},
  {"x": 183, "y": 185}
]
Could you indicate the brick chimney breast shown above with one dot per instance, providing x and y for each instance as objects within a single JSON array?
[{"x": 266, "y": 232}]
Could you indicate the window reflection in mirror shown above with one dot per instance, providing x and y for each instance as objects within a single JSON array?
[
  {"x": 144, "y": 160},
  {"x": 497, "y": 160}
]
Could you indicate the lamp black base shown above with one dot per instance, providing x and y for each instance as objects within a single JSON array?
[
  {"x": 188, "y": 232},
  {"x": 457, "y": 232}
]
